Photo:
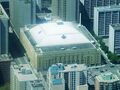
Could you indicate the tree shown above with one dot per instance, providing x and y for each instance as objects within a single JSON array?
[
  {"x": 5, "y": 87},
  {"x": 113, "y": 57}
]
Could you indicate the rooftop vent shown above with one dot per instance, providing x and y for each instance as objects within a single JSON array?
[
  {"x": 26, "y": 71},
  {"x": 62, "y": 48},
  {"x": 60, "y": 23},
  {"x": 74, "y": 47},
  {"x": 63, "y": 36},
  {"x": 74, "y": 66}
]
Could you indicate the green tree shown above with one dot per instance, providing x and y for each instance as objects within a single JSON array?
[
  {"x": 113, "y": 57},
  {"x": 5, "y": 87}
]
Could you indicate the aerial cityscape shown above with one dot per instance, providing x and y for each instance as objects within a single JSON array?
[{"x": 59, "y": 44}]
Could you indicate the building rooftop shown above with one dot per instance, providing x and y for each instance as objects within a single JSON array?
[
  {"x": 54, "y": 69},
  {"x": 5, "y": 57},
  {"x": 108, "y": 8},
  {"x": 74, "y": 67},
  {"x": 98, "y": 70},
  {"x": 107, "y": 77},
  {"x": 24, "y": 72},
  {"x": 57, "y": 36},
  {"x": 36, "y": 83},
  {"x": 116, "y": 26},
  {"x": 55, "y": 33}
]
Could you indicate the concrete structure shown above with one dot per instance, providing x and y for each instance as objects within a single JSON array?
[
  {"x": 23, "y": 78},
  {"x": 3, "y": 31},
  {"x": 55, "y": 81},
  {"x": 107, "y": 81},
  {"x": 103, "y": 17},
  {"x": 22, "y": 12},
  {"x": 90, "y": 4},
  {"x": 67, "y": 10},
  {"x": 57, "y": 42},
  {"x": 114, "y": 38}
]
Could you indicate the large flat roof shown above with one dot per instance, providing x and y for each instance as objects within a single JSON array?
[
  {"x": 75, "y": 67},
  {"x": 56, "y": 33}
]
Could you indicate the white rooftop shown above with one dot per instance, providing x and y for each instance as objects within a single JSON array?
[
  {"x": 74, "y": 67},
  {"x": 24, "y": 72},
  {"x": 61, "y": 33}
]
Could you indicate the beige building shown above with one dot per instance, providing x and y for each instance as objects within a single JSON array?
[
  {"x": 22, "y": 77},
  {"x": 107, "y": 81},
  {"x": 57, "y": 42}
]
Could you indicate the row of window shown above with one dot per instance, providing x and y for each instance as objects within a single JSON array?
[
  {"x": 68, "y": 59},
  {"x": 105, "y": 19},
  {"x": 90, "y": 4}
]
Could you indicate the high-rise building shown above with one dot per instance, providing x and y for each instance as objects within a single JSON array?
[
  {"x": 90, "y": 4},
  {"x": 74, "y": 76},
  {"x": 107, "y": 81},
  {"x": 22, "y": 12},
  {"x": 23, "y": 78},
  {"x": 103, "y": 17},
  {"x": 114, "y": 38},
  {"x": 67, "y": 10},
  {"x": 55, "y": 81},
  {"x": 57, "y": 42},
  {"x": 3, "y": 31}
]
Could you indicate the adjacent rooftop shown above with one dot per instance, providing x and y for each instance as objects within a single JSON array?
[
  {"x": 107, "y": 77},
  {"x": 24, "y": 72},
  {"x": 98, "y": 70}
]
